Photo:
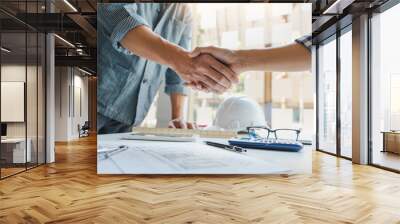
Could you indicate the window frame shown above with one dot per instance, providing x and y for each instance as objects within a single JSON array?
[{"x": 334, "y": 37}]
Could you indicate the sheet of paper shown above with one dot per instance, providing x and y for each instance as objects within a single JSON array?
[{"x": 143, "y": 157}]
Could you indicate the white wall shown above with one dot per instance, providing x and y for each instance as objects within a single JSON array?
[
  {"x": 61, "y": 103},
  {"x": 34, "y": 125},
  {"x": 12, "y": 73},
  {"x": 71, "y": 102},
  {"x": 80, "y": 112}
]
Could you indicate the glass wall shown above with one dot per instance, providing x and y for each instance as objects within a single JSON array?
[
  {"x": 13, "y": 90},
  {"x": 327, "y": 96},
  {"x": 346, "y": 93},
  {"x": 385, "y": 89},
  {"x": 22, "y": 91}
]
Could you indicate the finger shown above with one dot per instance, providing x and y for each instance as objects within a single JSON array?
[
  {"x": 202, "y": 87},
  {"x": 217, "y": 77},
  {"x": 198, "y": 86},
  {"x": 209, "y": 83},
  {"x": 192, "y": 85},
  {"x": 199, "y": 50},
  {"x": 206, "y": 82},
  {"x": 178, "y": 124},
  {"x": 225, "y": 70},
  {"x": 196, "y": 52},
  {"x": 204, "y": 50},
  {"x": 171, "y": 125},
  {"x": 189, "y": 125},
  {"x": 182, "y": 124}
]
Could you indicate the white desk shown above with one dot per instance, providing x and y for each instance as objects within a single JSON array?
[
  {"x": 17, "y": 147},
  {"x": 129, "y": 162}
]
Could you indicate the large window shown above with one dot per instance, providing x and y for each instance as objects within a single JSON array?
[
  {"x": 327, "y": 96},
  {"x": 385, "y": 88}
]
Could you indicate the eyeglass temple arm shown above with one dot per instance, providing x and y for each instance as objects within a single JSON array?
[{"x": 289, "y": 129}]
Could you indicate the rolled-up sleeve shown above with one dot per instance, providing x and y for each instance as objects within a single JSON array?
[
  {"x": 305, "y": 41},
  {"x": 130, "y": 20},
  {"x": 173, "y": 83}
]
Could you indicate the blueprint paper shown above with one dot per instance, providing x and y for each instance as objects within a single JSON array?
[{"x": 144, "y": 157}]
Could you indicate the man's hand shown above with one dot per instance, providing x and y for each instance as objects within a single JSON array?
[
  {"x": 212, "y": 74},
  {"x": 177, "y": 104},
  {"x": 228, "y": 57},
  {"x": 180, "y": 124}
]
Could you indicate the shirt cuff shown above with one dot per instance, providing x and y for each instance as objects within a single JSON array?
[
  {"x": 305, "y": 41},
  {"x": 176, "y": 88},
  {"x": 122, "y": 29}
]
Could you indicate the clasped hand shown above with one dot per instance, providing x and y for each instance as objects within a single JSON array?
[{"x": 210, "y": 69}]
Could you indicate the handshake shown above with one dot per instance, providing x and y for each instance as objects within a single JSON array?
[
  {"x": 209, "y": 69},
  {"x": 214, "y": 69}
]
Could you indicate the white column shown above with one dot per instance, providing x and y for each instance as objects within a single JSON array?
[
  {"x": 50, "y": 99},
  {"x": 360, "y": 90},
  {"x": 314, "y": 78}
]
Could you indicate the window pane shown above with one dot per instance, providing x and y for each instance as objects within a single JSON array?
[
  {"x": 346, "y": 94},
  {"x": 386, "y": 89},
  {"x": 15, "y": 150},
  {"x": 31, "y": 99},
  {"x": 327, "y": 96}
]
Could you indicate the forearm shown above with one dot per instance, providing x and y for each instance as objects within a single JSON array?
[
  {"x": 177, "y": 102},
  {"x": 288, "y": 58},
  {"x": 143, "y": 42}
]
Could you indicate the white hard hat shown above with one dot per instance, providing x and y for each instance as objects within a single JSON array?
[{"x": 237, "y": 113}]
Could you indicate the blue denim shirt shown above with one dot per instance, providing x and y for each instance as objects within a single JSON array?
[{"x": 127, "y": 84}]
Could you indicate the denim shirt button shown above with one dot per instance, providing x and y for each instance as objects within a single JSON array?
[{"x": 144, "y": 81}]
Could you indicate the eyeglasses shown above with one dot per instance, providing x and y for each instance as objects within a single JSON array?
[{"x": 263, "y": 132}]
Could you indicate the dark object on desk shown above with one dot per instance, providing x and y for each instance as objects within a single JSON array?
[
  {"x": 227, "y": 147},
  {"x": 3, "y": 129},
  {"x": 268, "y": 144},
  {"x": 306, "y": 142},
  {"x": 84, "y": 130},
  {"x": 391, "y": 141}
]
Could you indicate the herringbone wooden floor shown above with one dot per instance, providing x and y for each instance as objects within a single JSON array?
[{"x": 70, "y": 191}]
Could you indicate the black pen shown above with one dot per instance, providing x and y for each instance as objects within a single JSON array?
[{"x": 227, "y": 147}]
